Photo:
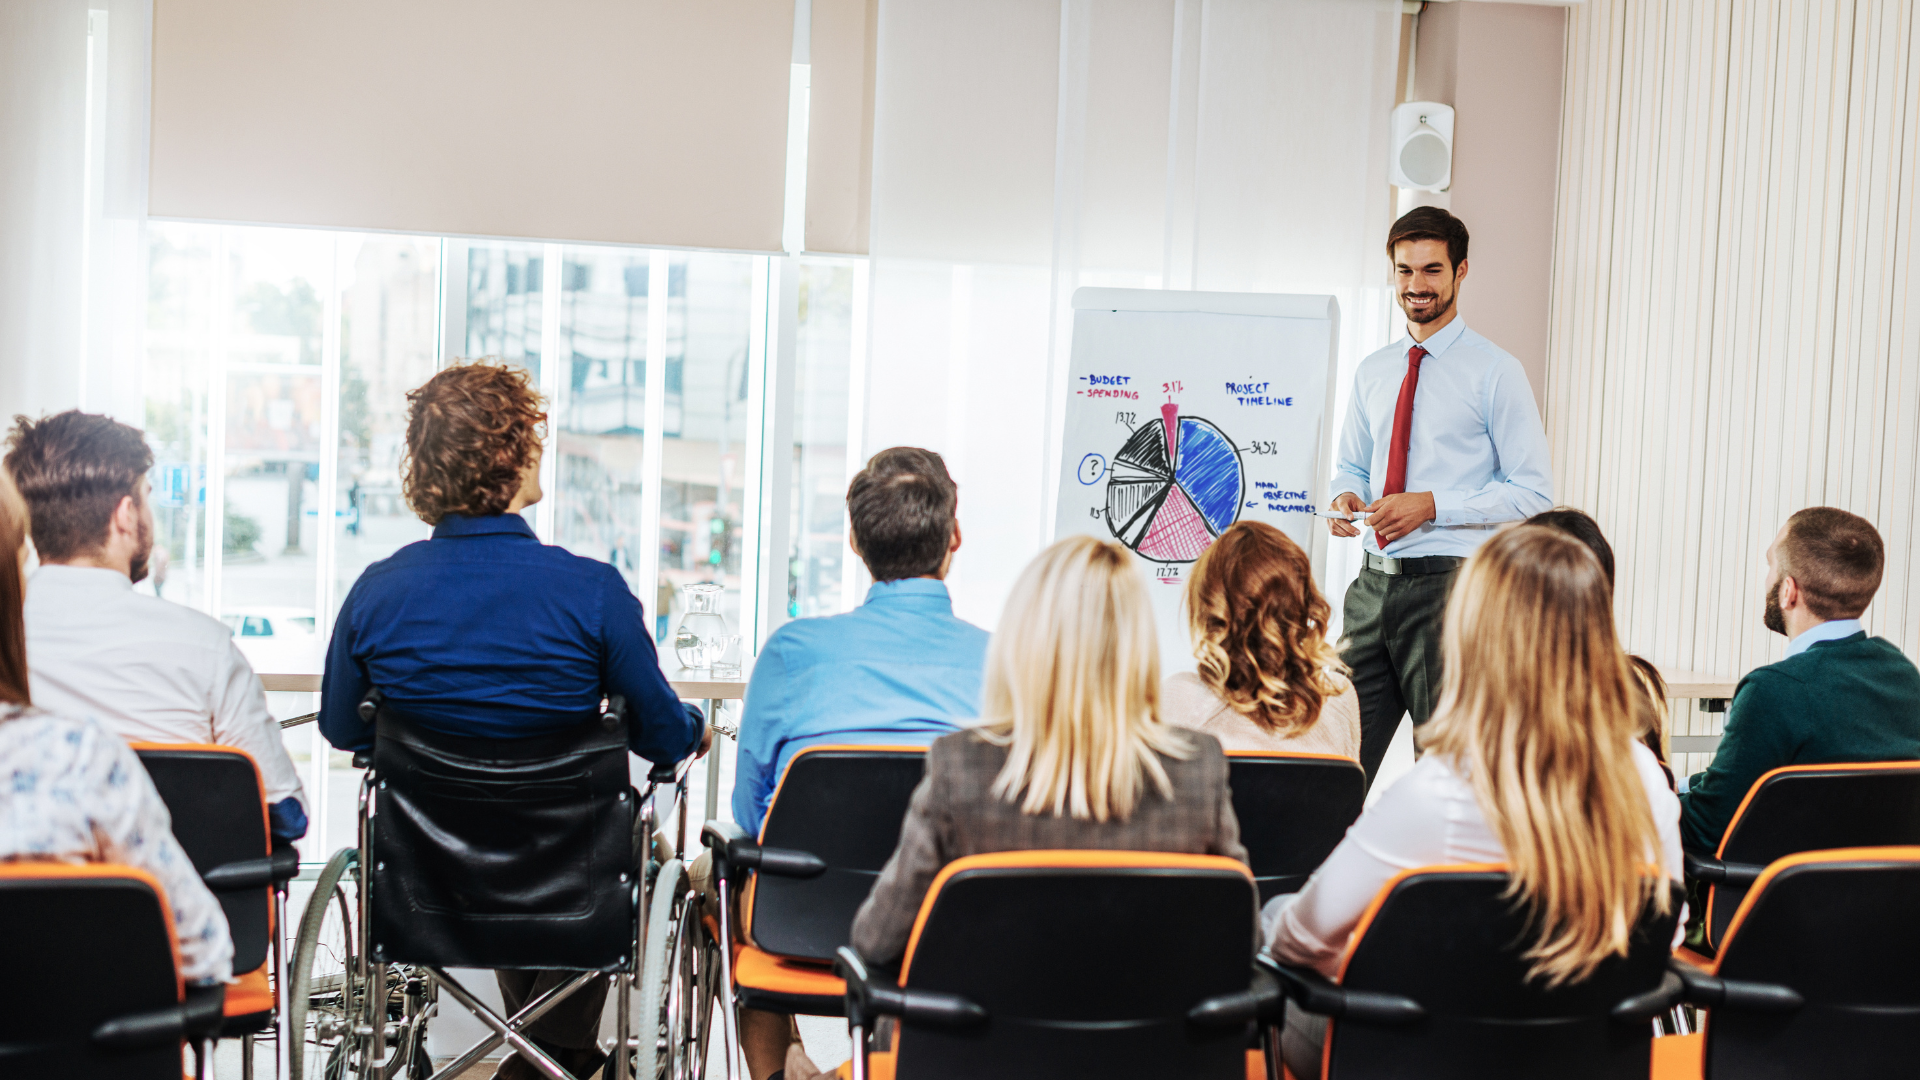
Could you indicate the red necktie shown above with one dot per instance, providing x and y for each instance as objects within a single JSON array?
[{"x": 1403, "y": 425}]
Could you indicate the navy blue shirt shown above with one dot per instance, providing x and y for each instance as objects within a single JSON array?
[{"x": 485, "y": 631}]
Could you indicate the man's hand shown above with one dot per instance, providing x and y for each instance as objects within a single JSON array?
[
  {"x": 706, "y": 742},
  {"x": 1350, "y": 503},
  {"x": 1394, "y": 516}
]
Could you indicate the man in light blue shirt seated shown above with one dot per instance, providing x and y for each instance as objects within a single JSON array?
[{"x": 899, "y": 669}]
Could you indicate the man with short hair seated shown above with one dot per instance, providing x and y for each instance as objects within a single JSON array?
[
  {"x": 1838, "y": 696},
  {"x": 147, "y": 669},
  {"x": 485, "y": 632},
  {"x": 900, "y": 669}
]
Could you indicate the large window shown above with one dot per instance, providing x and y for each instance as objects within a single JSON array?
[{"x": 275, "y": 380}]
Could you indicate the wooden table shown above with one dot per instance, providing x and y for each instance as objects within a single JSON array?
[
  {"x": 687, "y": 685},
  {"x": 1714, "y": 690}
]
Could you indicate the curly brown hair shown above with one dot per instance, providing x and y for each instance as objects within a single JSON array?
[
  {"x": 471, "y": 431},
  {"x": 1260, "y": 629}
]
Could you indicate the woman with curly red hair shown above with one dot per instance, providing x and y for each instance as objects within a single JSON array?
[
  {"x": 483, "y": 631},
  {"x": 1268, "y": 678}
]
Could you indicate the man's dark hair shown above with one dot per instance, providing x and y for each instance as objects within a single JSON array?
[
  {"x": 1431, "y": 223},
  {"x": 73, "y": 468},
  {"x": 1837, "y": 559},
  {"x": 1577, "y": 524},
  {"x": 901, "y": 508}
]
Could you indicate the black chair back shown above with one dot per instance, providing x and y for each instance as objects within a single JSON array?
[
  {"x": 503, "y": 853},
  {"x": 844, "y": 805},
  {"x": 218, "y": 804},
  {"x": 1086, "y": 963},
  {"x": 1293, "y": 810},
  {"x": 1837, "y": 928},
  {"x": 1814, "y": 808},
  {"x": 1450, "y": 939},
  {"x": 83, "y": 945}
]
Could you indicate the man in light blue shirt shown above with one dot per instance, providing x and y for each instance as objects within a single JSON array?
[
  {"x": 899, "y": 669},
  {"x": 1442, "y": 443}
]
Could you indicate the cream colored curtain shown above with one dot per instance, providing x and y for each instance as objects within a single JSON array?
[
  {"x": 1734, "y": 309},
  {"x": 629, "y": 121}
]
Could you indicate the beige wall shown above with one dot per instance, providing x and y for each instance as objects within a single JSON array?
[{"x": 1499, "y": 66}]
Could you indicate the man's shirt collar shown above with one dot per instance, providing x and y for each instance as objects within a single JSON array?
[
  {"x": 486, "y": 525},
  {"x": 920, "y": 592},
  {"x": 83, "y": 577},
  {"x": 1441, "y": 340},
  {"x": 1831, "y": 630}
]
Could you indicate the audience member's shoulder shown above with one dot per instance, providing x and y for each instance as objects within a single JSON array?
[
  {"x": 1202, "y": 751},
  {"x": 1185, "y": 701},
  {"x": 48, "y": 744},
  {"x": 180, "y": 622}
]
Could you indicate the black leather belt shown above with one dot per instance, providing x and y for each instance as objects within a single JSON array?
[{"x": 1430, "y": 564}]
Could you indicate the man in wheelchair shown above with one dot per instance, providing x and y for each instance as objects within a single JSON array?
[{"x": 483, "y": 635}]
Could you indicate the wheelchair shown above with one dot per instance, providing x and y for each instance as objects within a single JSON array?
[
  {"x": 531, "y": 853},
  {"x": 217, "y": 801}
]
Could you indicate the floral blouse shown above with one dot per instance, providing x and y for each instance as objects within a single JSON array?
[{"x": 71, "y": 791}]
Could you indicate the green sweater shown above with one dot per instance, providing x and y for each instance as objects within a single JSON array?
[{"x": 1853, "y": 699}]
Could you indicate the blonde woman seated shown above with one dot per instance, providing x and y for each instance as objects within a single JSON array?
[
  {"x": 1069, "y": 699},
  {"x": 1533, "y": 759},
  {"x": 1268, "y": 678}
]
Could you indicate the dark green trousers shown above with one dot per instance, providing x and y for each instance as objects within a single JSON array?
[{"x": 1390, "y": 641}]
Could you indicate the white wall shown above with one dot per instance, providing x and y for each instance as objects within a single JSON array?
[{"x": 1024, "y": 149}]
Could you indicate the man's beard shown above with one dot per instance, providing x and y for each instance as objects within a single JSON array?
[
  {"x": 1774, "y": 619},
  {"x": 137, "y": 570},
  {"x": 1442, "y": 303}
]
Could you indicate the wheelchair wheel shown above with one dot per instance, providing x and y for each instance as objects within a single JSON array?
[
  {"x": 325, "y": 995},
  {"x": 671, "y": 1022}
]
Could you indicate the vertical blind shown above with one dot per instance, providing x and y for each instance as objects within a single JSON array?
[
  {"x": 628, "y": 121},
  {"x": 1733, "y": 302}
]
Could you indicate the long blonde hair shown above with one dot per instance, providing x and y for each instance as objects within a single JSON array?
[
  {"x": 1072, "y": 687},
  {"x": 1259, "y": 629},
  {"x": 1538, "y": 709}
]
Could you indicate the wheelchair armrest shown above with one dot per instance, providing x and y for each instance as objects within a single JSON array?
[
  {"x": 1712, "y": 992},
  {"x": 1643, "y": 1007},
  {"x": 868, "y": 998},
  {"x": 1315, "y": 993},
  {"x": 363, "y": 759},
  {"x": 1262, "y": 1000},
  {"x": 734, "y": 853},
  {"x": 198, "y": 1015},
  {"x": 1713, "y": 871},
  {"x": 664, "y": 774}
]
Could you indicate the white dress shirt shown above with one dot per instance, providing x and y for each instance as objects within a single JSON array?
[
  {"x": 76, "y": 794},
  {"x": 1476, "y": 441},
  {"x": 148, "y": 669},
  {"x": 1430, "y": 817}
]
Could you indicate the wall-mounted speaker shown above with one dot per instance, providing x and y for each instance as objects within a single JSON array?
[{"x": 1422, "y": 146}]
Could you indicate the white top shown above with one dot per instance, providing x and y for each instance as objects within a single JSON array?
[
  {"x": 1186, "y": 702},
  {"x": 148, "y": 669},
  {"x": 1429, "y": 818},
  {"x": 76, "y": 794}
]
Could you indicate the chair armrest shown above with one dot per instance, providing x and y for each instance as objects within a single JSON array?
[
  {"x": 198, "y": 1015},
  {"x": 1262, "y": 1000},
  {"x": 1643, "y": 1007},
  {"x": 239, "y": 874},
  {"x": 1713, "y": 992},
  {"x": 868, "y": 997},
  {"x": 734, "y": 853},
  {"x": 1713, "y": 871},
  {"x": 1315, "y": 993}
]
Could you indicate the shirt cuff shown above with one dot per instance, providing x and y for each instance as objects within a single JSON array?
[
  {"x": 1345, "y": 482},
  {"x": 1449, "y": 508}
]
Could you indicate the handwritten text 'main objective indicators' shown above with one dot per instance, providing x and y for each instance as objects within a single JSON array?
[{"x": 1108, "y": 386}]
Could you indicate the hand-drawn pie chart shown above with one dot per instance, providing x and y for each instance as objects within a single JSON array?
[{"x": 1173, "y": 487}]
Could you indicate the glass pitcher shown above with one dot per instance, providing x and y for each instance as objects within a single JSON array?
[{"x": 703, "y": 630}]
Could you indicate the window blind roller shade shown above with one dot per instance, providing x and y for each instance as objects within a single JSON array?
[
  {"x": 624, "y": 121},
  {"x": 840, "y": 125}
]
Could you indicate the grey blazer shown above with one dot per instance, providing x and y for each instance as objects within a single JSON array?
[{"x": 955, "y": 814}]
